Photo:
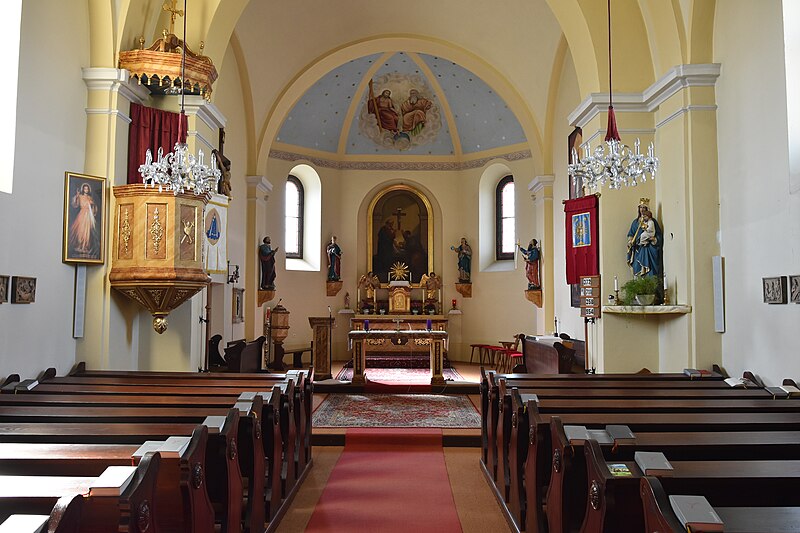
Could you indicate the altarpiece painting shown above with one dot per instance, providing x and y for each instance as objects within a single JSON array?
[{"x": 400, "y": 233}]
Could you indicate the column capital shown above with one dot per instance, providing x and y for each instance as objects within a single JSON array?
[
  {"x": 541, "y": 187},
  {"x": 258, "y": 187},
  {"x": 114, "y": 80},
  {"x": 205, "y": 111}
]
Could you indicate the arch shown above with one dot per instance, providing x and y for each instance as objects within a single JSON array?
[
  {"x": 701, "y": 31},
  {"x": 312, "y": 215},
  {"x": 494, "y": 172},
  {"x": 665, "y": 33},
  {"x": 412, "y": 43}
]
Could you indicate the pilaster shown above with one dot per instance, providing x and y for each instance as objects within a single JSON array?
[
  {"x": 541, "y": 191},
  {"x": 258, "y": 192}
]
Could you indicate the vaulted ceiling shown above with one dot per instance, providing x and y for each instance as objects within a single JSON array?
[{"x": 465, "y": 115}]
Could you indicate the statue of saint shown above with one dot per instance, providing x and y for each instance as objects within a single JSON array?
[
  {"x": 532, "y": 256},
  {"x": 432, "y": 283},
  {"x": 368, "y": 282},
  {"x": 334, "y": 253},
  {"x": 645, "y": 242},
  {"x": 464, "y": 252},
  {"x": 267, "y": 257}
]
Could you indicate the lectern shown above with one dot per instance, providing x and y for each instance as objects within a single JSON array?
[{"x": 321, "y": 353}]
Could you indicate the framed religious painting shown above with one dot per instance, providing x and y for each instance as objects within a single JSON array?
[
  {"x": 774, "y": 290},
  {"x": 237, "y": 314},
  {"x": 400, "y": 235},
  {"x": 794, "y": 289},
  {"x": 84, "y": 219},
  {"x": 23, "y": 290},
  {"x": 4, "y": 289}
]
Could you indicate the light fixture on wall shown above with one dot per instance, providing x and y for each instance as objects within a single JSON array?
[
  {"x": 179, "y": 171},
  {"x": 233, "y": 273},
  {"x": 615, "y": 163}
]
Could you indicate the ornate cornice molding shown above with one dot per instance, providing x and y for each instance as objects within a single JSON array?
[
  {"x": 541, "y": 187},
  {"x": 114, "y": 79},
  {"x": 398, "y": 165},
  {"x": 675, "y": 80}
]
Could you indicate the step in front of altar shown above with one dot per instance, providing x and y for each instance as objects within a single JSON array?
[{"x": 400, "y": 360}]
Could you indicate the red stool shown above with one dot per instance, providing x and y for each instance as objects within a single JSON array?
[{"x": 514, "y": 359}]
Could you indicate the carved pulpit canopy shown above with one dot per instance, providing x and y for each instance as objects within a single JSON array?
[{"x": 159, "y": 66}]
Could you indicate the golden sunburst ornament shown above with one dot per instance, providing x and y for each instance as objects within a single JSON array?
[{"x": 399, "y": 271}]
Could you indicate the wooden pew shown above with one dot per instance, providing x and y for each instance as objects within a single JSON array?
[
  {"x": 659, "y": 517},
  {"x": 133, "y": 510},
  {"x": 566, "y": 494},
  {"x": 180, "y": 485},
  {"x": 531, "y": 452},
  {"x": 614, "y": 503},
  {"x": 298, "y": 396},
  {"x": 253, "y": 381},
  {"x": 292, "y": 423},
  {"x": 63, "y": 518},
  {"x": 224, "y": 480}
]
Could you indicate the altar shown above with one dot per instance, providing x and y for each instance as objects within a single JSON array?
[
  {"x": 434, "y": 340},
  {"x": 403, "y": 322}
]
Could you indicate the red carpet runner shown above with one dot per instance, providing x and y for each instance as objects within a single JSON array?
[{"x": 388, "y": 480}]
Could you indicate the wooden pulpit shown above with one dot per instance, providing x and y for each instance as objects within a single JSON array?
[{"x": 321, "y": 350}]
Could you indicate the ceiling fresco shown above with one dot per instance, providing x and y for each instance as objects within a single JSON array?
[{"x": 401, "y": 104}]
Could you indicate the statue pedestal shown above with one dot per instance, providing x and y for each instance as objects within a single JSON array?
[
  {"x": 534, "y": 296},
  {"x": 332, "y": 288},
  {"x": 321, "y": 353},
  {"x": 265, "y": 296},
  {"x": 464, "y": 289}
]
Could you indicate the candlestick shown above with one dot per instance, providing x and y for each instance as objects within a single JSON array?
[
  {"x": 616, "y": 284},
  {"x": 453, "y": 303},
  {"x": 366, "y": 325},
  {"x": 428, "y": 324},
  {"x": 666, "y": 283}
]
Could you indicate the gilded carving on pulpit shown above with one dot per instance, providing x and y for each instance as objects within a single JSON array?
[
  {"x": 400, "y": 231},
  {"x": 399, "y": 112}
]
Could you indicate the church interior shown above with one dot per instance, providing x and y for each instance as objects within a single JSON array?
[{"x": 416, "y": 176}]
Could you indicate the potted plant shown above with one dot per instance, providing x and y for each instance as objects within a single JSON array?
[{"x": 640, "y": 290}]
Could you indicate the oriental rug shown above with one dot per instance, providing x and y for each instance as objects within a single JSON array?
[
  {"x": 388, "y": 480},
  {"x": 407, "y": 376},
  {"x": 396, "y": 410}
]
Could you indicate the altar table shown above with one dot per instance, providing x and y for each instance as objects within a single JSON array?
[{"x": 435, "y": 339}]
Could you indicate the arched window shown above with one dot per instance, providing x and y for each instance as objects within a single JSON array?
[
  {"x": 505, "y": 222},
  {"x": 294, "y": 218}
]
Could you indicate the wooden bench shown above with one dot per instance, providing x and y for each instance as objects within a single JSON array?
[
  {"x": 180, "y": 484},
  {"x": 131, "y": 510},
  {"x": 511, "y": 482},
  {"x": 659, "y": 517},
  {"x": 614, "y": 503}
]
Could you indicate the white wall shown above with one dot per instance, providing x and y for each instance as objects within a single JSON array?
[
  {"x": 760, "y": 219},
  {"x": 51, "y": 133}
]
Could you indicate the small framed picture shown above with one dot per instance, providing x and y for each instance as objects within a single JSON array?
[
  {"x": 84, "y": 218},
  {"x": 238, "y": 305},
  {"x": 794, "y": 289},
  {"x": 4, "y": 289},
  {"x": 774, "y": 290},
  {"x": 23, "y": 290}
]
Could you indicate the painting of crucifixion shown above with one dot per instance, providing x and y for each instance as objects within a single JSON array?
[{"x": 400, "y": 224}]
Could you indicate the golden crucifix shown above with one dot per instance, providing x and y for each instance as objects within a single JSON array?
[{"x": 174, "y": 12}]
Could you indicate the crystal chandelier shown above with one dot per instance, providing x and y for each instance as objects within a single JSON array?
[
  {"x": 179, "y": 171},
  {"x": 615, "y": 163}
]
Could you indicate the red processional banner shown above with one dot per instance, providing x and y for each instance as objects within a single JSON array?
[{"x": 583, "y": 258}]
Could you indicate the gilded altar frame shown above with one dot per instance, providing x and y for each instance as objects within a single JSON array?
[{"x": 371, "y": 229}]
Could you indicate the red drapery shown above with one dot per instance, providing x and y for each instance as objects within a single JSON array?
[
  {"x": 582, "y": 238},
  {"x": 153, "y": 129}
]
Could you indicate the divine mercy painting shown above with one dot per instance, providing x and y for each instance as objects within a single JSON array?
[
  {"x": 399, "y": 232},
  {"x": 84, "y": 218}
]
